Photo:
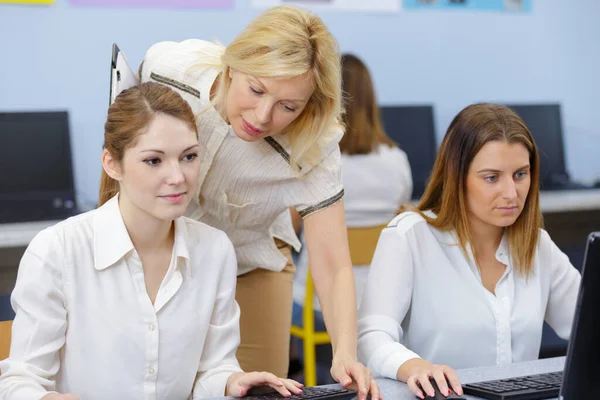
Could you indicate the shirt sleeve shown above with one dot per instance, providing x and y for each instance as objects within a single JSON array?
[
  {"x": 38, "y": 331},
  {"x": 218, "y": 360},
  {"x": 385, "y": 303},
  {"x": 152, "y": 56},
  {"x": 322, "y": 187},
  {"x": 564, "y": 287}
]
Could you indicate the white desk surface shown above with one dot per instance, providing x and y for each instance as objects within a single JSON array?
[
  {"x": 20, "y": 234},
  {"x": 570, "y": 200},
  {"x": 399, "y": 391}
]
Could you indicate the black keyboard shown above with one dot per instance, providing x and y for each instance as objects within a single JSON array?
[
  {"x": 309, "y": 393},
  {"x": 531, "y": 387}
]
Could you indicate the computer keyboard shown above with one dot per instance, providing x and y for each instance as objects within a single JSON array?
[
  {"x": 310, "y": 393},
  {"x": 531, "y": 387}
]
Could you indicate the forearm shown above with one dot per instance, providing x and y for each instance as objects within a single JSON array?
[{"x": 338, "y": 303}]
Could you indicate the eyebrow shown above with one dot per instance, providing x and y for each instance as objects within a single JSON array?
[
  {"x": 497, "y": 170},
  {"x": 262, "y": 85},
  {"x": 162, "y": 152}
]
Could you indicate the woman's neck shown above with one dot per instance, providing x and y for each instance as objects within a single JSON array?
[
  {"x": 148, "y": 234},
  {"x": 485, "y": 238}
]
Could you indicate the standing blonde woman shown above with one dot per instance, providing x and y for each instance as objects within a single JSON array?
[{"x": 268, "y": 107}]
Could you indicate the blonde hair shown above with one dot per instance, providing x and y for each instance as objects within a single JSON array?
[
  {"x": 364, "y": 131},
  {"x": 287, "y": 42},
  {"x": 128, "y": 117},
  {"x": 445, "y": 193}
]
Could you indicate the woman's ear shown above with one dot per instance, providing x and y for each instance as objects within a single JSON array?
[{"x": 111, "y": 166}]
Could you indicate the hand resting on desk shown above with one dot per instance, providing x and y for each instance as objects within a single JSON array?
[
  {"x": 416, "y": 373},
  {"x": 239, "y": 383}
]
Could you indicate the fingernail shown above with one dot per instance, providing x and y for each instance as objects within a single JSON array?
[{"x": 420, "y": 394}]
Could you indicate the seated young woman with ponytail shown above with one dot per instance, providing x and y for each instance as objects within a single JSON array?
[{"x": 132, "y": 300}]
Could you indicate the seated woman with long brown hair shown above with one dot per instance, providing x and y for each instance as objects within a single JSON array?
[
  {"x": 468, "y": 277},
  {"x": 132, "y": 300}
]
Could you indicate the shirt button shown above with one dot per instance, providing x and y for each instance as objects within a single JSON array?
[
  {"x": 151, "y": 371},
  {"x": 152, "y": 327}
]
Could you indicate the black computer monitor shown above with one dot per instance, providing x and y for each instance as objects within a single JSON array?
[
  {"x": 412, "y": 128},
  {"x": 35, "y": 157},
  {"x": 581, "y": 367},
  {"x": 544, "y": 122}
]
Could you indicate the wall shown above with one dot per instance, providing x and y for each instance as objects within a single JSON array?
[{"x": 58, "y": 58}]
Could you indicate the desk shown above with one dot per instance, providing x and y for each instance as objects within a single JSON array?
[
  {"x": 393, "y": 390},
  {"x": 569, "y": 200},
  {"x": 21, "y": 233}
]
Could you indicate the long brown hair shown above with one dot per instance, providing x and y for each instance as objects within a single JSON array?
[
  {"x": 364, "y": 131},
  {"x": 445, "y": 194},
  {"x": 130, "y": 115}
]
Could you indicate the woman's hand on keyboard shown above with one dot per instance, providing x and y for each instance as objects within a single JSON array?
[
  {"x": 416, "y": 373},
  {"x": 354, "y": 375},
  {"x": 239, "y": 383}
]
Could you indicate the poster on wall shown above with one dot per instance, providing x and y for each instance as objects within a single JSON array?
[
  {"x": 334, "y": 5},
  {"x": 29, "y": 2},
  {"x": 484, "y": 5},
  {"x": 206, "y": 4}
]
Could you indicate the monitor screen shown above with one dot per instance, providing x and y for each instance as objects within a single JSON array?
[
  {"x": 544, "y": 122},
  {"x": 411, "y": 127},
  {"x": 35, "y": 153},
  {"x": 582, "y": 368}
]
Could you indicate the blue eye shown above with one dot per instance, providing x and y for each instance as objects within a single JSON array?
[
  {"x": 190, "y": 157},
  {"x": 521, "y": 175},
  {"x": 152, "y": 161},
  {"x": 491, "y": 178}
]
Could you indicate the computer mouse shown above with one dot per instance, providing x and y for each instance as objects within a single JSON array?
[{"x": 438, "y": 394}]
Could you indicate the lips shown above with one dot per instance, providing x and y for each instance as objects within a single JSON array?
[
  {"x": 250, "y": 129},
  {"x": 174, "y": 198}
]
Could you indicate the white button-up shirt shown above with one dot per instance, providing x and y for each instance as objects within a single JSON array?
[
  {"x": 425, "y": 298},
  {"x": 246, "y": 188},
  {"x": 84, "y": 322}
]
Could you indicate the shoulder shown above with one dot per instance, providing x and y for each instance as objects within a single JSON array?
[
  {"x": 545, "y": 243},
  {"x": 199, "y": 232},
  {"x": 408, "y": 221},
  {"x": 178, "y": 64},
  {"x": 191, "y": 48},
  {"x": 53, "y": 239}
]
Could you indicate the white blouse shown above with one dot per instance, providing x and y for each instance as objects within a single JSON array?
[
  {"x": 375, "y": 185},
  {"x": 246, "y": 188},
  {"x": 425, "y": 298},
  {"x": 84, "y": 322}
]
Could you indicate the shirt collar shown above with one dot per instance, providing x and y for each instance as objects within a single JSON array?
[
  {"x": 112, "y": 241},
  {"x": 180, "y": 247}
]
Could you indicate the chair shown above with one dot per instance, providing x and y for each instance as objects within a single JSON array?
[
  {"x": 362, "y": 243},
  {"x": 5, "y": 336}
]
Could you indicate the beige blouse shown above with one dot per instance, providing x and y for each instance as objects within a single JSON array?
[{"x": 245, "y": 188}]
